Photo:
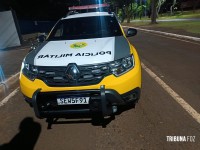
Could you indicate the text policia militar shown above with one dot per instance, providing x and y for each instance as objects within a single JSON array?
[{"x": 76, "y": 54}]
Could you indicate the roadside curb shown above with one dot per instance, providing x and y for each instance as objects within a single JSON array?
[{"x": 169, "y": 34}]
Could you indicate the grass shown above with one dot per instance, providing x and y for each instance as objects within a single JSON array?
[
  {"x": 181, "y": 15},
  {"x": 188, "y": 26}
]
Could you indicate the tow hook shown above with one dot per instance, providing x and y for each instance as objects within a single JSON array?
[{"x": 114, "y": 109}]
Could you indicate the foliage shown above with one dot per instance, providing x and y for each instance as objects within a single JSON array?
[
  {"x": 131, "y": 8},
  {"x": 137, "y": 8},
  {"x": 160, "y": 3},
  {"x": 140, "y": 10},
  {"x": 172, "y": 7}
]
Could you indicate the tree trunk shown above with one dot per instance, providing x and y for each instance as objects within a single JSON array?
[
  {"x": 128, "y": 19},
  {"x": 154, "y": 11},
  {"x": 123, "y": 15},
  {"x": 195, "y": 4},
  {"x": 171, "y": 10},
  {"x": 172, "y": 7}
]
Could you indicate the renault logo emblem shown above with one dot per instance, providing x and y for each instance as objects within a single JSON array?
[{"x": 72, "y": 72}]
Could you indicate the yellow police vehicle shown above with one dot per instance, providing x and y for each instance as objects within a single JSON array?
[{"x": 85, "y": 65}]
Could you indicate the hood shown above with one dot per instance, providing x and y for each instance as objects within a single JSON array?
[{"x": 81, "y": 52}]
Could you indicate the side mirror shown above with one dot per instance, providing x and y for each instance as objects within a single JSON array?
[
  {"x": 131, "y": 32},
  {"x": 41, "y": 38}
]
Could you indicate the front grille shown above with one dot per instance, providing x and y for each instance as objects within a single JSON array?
[{"x": 58, "y": 76}]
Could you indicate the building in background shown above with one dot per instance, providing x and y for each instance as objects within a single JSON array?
[{"x": 10, "y": 34}]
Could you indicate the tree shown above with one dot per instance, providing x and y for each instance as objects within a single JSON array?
[
  {"x": 154, "y": 11},
  {"x": 140, "y": 10},
  {"x": 125, "y": 8},
  {"x": 160, "y": 2},
  {"x": 129, "y": 13},
  {"x": 195, "y": 4},
  {"x": 172, "y": 7},
  {"x": 130, "y": 8},
  {"x": 134, "y": 9},
  {"x": 148, "y": 8}
]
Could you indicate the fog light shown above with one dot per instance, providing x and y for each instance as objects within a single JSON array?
[{"x": 132, "y": 96}]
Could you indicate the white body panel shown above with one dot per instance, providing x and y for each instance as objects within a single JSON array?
[{"x": 61, "y": 53}]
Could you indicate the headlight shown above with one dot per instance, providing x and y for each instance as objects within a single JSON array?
[
  {"x": 30, "y": 71},
  {"x": 121, "y": 66}
]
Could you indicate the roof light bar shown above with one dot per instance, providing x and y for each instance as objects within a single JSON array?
[{"x": 88, "y": 6}]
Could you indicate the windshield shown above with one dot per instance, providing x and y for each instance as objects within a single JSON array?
[{"x": 85, "y": 28}]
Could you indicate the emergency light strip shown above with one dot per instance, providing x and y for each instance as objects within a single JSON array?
[{"x": 88, "y": 6}]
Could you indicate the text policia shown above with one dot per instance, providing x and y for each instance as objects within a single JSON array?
[{"x": 76, "y": 54}]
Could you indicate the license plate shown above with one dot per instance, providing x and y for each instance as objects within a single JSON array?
[{"x": 73, "y": 100}]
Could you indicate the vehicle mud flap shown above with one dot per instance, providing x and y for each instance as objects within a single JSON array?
[
  {"x": 35, "y": 106},
  {"x": 105, "y": 108}
]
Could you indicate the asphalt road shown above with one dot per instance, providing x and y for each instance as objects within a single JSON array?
[{"x": 156, "y": 119}]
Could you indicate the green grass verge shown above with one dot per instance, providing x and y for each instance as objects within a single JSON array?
[
  {"x": 177, "y": 15},
  {"x": 188, "y": 26},
  {"x": 181, "y": 15}
]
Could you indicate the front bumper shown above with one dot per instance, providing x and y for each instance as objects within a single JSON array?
[
  {"x": 122, "y": 84},
  {"x": 101, "y": 101}
]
